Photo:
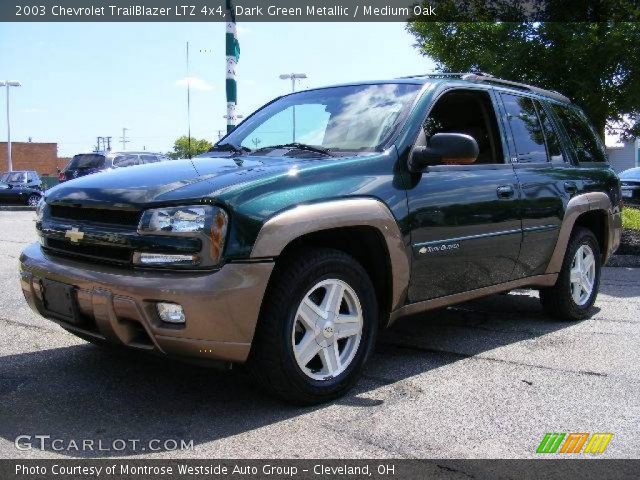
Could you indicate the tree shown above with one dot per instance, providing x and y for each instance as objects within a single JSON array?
[
  {"x": 183, "y": 148},
  {"x": 597, "y": 65}
]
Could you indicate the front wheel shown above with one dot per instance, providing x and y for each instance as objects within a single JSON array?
[
  {"x": 573, "y": 295},
  {"x": 33, "y": 200},
  {"x": 317, "y": 328}
]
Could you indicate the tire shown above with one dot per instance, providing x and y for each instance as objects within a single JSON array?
[
  {"x": 561, "y": 301},
  {"x": 33, "y": 200},
  {"x": 287, "y": 323}
]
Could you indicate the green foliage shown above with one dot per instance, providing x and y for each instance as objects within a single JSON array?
[
  {"x": 597, "y": 65},
  {"x": 631, "y": 218},
  {"x": 182, "y": 148}
]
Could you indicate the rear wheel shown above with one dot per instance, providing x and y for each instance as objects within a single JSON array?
[
  {"x": 575, "y": 292},
  {"x": 317, "y": 328}
]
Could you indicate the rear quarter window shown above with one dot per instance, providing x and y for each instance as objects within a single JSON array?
[{"x": 585, "y": 141}]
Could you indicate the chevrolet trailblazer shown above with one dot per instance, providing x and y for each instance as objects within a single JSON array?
[{"x": 326, "y": 215}]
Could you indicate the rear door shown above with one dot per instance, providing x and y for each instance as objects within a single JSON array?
[
  {"x": 545, "y": 175},
  {"x": 466, "y": 228}
]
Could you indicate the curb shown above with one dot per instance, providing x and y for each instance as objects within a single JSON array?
[
  {"x": 632, "y": 261},
  {"x": 17, "y": 208}
]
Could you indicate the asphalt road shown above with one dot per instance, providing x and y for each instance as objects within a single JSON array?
[{"x": 486, "y": 379}]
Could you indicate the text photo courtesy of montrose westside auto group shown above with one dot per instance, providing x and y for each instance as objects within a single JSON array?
[{"x": 319, "y": 239}]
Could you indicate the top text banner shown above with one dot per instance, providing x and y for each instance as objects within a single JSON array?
[{"x": 318, "y": 10}]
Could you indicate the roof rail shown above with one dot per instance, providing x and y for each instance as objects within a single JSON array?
[
  {"x": 444, "y": 74},
  {"x": 485, "y": 77},
  {"x": 473, "y": 77}
]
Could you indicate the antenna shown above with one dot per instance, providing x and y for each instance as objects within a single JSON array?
[{"x": 188, "y": 105}]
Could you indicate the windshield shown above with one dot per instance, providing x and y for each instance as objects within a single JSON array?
[
  {"x": 86, "y": 160},
  {"x": 631, "y": 174},
  {"x": 16, "y": 177},
  {"x": 352, "y": 118}
]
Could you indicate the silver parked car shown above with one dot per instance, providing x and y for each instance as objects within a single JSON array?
[{"x": 94, "y": 162}]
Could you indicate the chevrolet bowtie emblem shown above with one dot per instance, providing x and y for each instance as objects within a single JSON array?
[{"x": 74, "y": 235}]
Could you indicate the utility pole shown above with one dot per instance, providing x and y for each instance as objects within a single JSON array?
[
  {"x": 8, "y": 84},
  {"x": 108, "y": 144},
  {"x": 123, "y": 139},
  {"x": 293, "y": 77},
  {"x": 256, "y": 141},
  {"x": 232, "y": 51}
]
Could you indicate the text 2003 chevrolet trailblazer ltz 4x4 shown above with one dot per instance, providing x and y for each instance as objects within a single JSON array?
[{"x": 325, "y": 216}]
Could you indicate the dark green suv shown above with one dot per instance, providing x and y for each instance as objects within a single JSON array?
[{"x": 325, "y": 216}]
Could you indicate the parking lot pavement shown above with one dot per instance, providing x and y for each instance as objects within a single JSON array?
[{"x": 485, "y": 379}]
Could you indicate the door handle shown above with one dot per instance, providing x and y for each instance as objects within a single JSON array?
[
  {"x": 570, "y": 187},
  {"x": 505, "y": 191}
]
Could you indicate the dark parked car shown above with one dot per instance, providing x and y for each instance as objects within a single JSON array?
[
  {"x": 88, "y": 163},
  {"x": 631, "y": 185},
  {"x": 22, "y": 187},
  {"x": 386, "y": 199}
]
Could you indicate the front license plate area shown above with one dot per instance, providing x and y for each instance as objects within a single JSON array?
[{"x": 59, "y": 301}]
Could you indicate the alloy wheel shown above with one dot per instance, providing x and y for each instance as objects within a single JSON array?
[
  {"x": 327, "y": 329},
  {"x": 583, "y": 275}
]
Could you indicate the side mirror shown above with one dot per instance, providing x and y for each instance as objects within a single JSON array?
[{"x": 445, "y": 149}]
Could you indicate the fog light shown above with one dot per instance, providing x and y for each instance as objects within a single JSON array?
[
  {"x": 170, "y": 312},
  {"x": 163, "y": 259}
]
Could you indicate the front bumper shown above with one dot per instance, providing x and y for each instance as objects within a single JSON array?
[{"x": 119, "y": 306}]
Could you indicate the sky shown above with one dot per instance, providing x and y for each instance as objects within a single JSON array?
[{"x": 84, "y": 80}]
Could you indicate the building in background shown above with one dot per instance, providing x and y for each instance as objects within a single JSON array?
[
  {"x": 625, "y": 155},
  {"x": 41, "y": 157}
]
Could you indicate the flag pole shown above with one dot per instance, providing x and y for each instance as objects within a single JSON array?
[{"x": 232, "y": 56}]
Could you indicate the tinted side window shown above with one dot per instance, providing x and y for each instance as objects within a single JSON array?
[
  {"x": 582, "y": 136},
  {"x": 526, "y": 129},
  {"x": 553, "y": 142},
  {"x": 125, "y": 160},
  {"x": 149, "y": 158}
]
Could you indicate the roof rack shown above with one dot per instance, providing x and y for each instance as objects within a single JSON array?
[
  {"x": 485, "y": 77},
  {"x": 439, "y": 75},
  {"x": 480, "y": 77}
]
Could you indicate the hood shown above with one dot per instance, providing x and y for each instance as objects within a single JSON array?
[{"x": 165, "y": 182}]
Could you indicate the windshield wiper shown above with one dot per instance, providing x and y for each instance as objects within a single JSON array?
[
  {"x": 299, "y": 146},
  {"x": 229, "y": 147}
]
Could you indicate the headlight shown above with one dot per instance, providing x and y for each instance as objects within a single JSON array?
[
  {"x": 40, "y": 209},
  {"x": 206, "y": 222},
  {"x": 175, "y": 220}
]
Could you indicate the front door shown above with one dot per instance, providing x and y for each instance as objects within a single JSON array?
[{"x": 466, "y": 226}]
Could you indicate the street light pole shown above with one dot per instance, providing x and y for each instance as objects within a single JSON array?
[
  {"x": 293, "y": 77},
  {"x": 8, "y": 84}
]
